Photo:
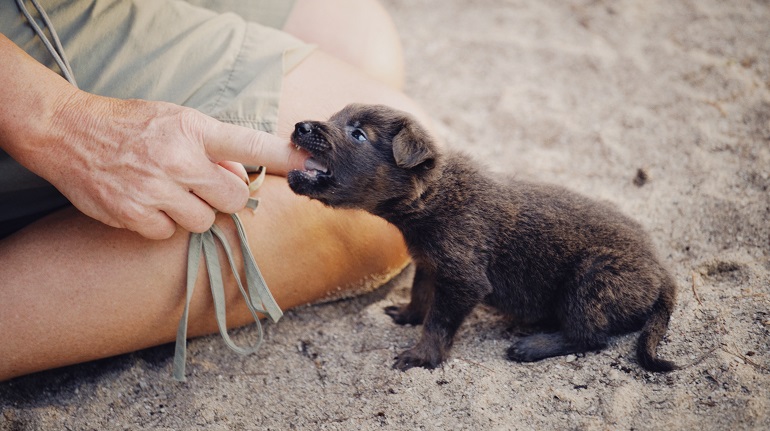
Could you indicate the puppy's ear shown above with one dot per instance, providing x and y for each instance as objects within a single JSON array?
[{"x": 413, "y": 147}]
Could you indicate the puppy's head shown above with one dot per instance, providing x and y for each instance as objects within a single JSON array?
[{"x": 364, "y": 157}]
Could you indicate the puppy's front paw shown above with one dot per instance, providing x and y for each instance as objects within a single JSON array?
[
  {"x": 410, "y": 359},
  {"x": 403, "y": 315},
  {"x": 416, "y": 357}
]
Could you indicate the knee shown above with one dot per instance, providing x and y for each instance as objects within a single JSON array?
[{"x": 359, "y": 32}]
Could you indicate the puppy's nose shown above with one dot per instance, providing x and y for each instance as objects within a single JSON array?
[{"x": 303, "y": 128}]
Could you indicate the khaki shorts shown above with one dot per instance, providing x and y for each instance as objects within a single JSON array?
[{"x": 224, "y": 58}]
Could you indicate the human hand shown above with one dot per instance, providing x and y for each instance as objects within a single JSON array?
[{"x": 148, "y": 166}]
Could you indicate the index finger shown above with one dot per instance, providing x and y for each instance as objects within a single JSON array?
[{"x": 224, "y": 141}]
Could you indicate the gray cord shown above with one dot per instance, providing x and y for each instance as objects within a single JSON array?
[{"x": 56, "y": 50}]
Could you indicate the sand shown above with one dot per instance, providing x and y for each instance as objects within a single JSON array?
[{"x": 662, "y": 108}]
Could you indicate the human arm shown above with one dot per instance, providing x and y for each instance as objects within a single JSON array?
[{"x": 145, "y": 166}]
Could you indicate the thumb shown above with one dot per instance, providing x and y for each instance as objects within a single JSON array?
[{"x": 224, "y": 141}]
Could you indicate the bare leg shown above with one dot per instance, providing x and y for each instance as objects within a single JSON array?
[
  {"x": 370, "y": 42},
  {"x": 75, "y": 290}
]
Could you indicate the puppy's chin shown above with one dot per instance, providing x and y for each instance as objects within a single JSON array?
[{"x": 308, "y": 183}]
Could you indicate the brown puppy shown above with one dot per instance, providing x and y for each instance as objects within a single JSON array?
[{"x": 537, "y": 252}]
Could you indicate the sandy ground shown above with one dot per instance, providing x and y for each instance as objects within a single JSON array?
[{"x": 588, "y": 94}]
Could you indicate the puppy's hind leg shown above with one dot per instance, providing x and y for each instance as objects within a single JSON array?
[
  {"x": 422, "y": 296},
  {"x": 547, "y": 345},
  {"x": 540, "y": 346},
  {"x": 582, "y": 315}
]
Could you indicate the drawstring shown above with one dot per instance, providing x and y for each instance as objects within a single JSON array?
[
  {"x": 56, "y": 50},
  {"x": 258, "y": 299}
]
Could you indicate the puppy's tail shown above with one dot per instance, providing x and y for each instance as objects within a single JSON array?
[{"x": 655, "y": 328}]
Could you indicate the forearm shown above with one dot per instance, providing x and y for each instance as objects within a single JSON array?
[{"x": 31, "y": 96}]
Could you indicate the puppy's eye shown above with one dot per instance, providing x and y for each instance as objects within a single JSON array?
[{"x": 358, "y": 135}]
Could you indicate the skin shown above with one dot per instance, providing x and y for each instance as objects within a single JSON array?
[
  {"x": 102, "y": 153},
  {"x": 376, "y": 37},
  {"x": 128, "y": 287}
]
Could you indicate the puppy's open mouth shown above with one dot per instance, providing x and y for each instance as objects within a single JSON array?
[
  {"x": 316, "y": 175},
  {"x": 315, "y": 169}
]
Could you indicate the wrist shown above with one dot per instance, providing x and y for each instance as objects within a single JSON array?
[
  {"x": 40, "y": 141},
  {"x": 31, "y": 97}
]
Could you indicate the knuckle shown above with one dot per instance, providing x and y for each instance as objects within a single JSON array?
[
  {"x": 160, "y": 232},
  {"x": 236, "y": 199},
  {"x": 158, "y": 227},
  {"x": 131, "y": 216},
  {"x": 188, "y": 117},
  {"x": 255, "y": 145},
  {"x": 226, "y": 192},
  {"x": 191, "y": 123},
  {"x": 138, "y": 219},
  {"x": 176, "y": 164},
  {"x": 232, "y": 207},
  {"x": 201, "y": 222}
]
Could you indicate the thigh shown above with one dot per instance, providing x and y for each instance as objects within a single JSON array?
[
  {"x": 359, "y": 32},
  {"x": 75, "y": 290},
  {"x": 322, "y": 84}
]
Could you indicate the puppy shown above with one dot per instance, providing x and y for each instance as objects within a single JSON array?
[{"x": 539, "y": 253}]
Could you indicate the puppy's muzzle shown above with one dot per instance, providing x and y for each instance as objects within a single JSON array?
[
  {"x": 313, "y": 137},
  {"x": 308, "y": 135}
]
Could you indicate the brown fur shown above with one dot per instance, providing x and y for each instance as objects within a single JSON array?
[{"x": 538, "y": 252}]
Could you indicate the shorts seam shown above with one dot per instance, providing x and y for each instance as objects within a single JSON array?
[
  {"x": 263, "y": 125},
  {"x": 233, "y": 69}
]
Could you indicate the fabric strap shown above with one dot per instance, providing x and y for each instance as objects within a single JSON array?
[
  {"x": 258, "y": 298},
  {"x": 55, "y": 47}
]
